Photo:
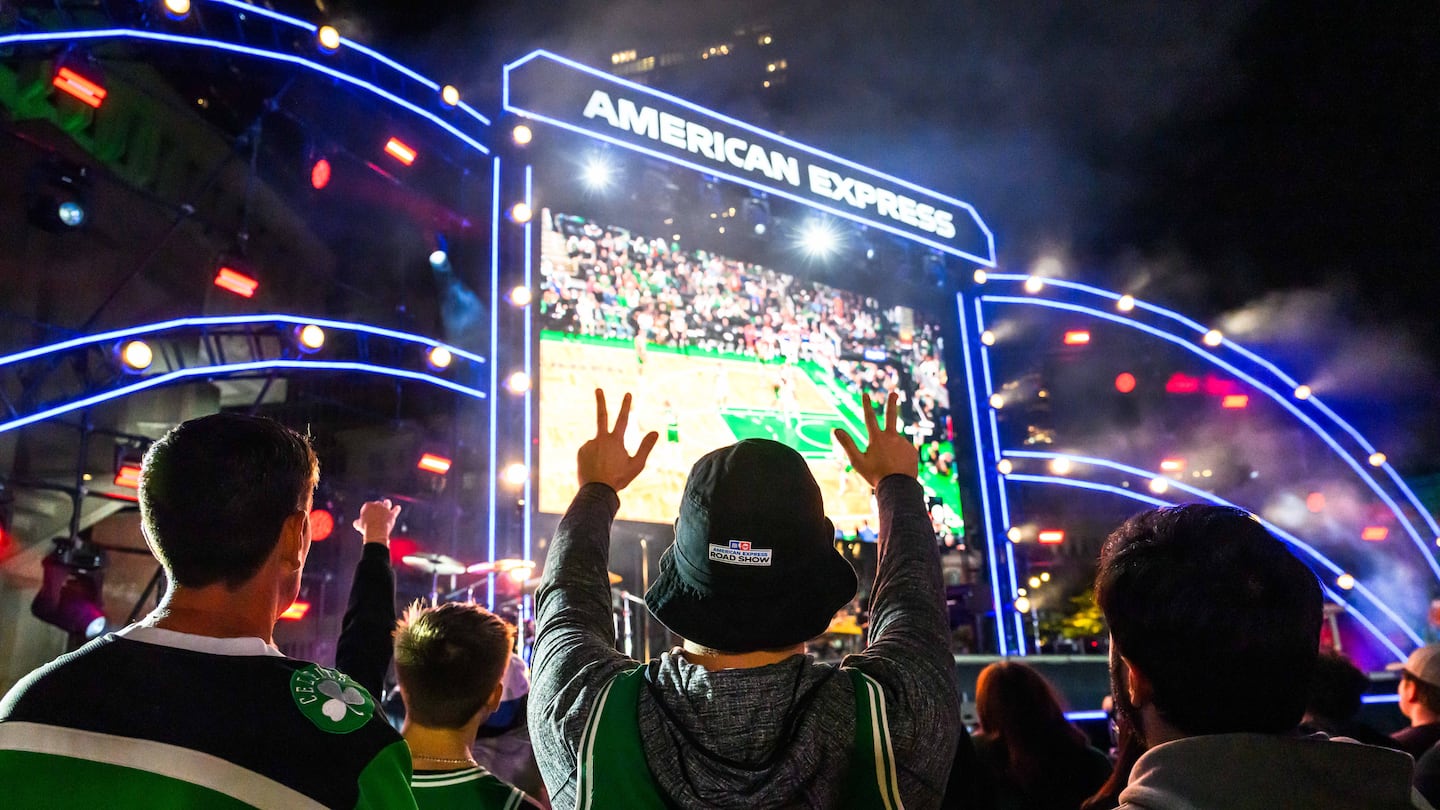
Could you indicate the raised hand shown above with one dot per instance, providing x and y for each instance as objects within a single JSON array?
[
  {"x": 889, "y": 451},
  {"x": 603, "y": 459},
  {"x": 377, "y": 520}
]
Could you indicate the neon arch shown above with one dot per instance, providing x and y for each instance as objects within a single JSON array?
[
  {"x": 214, "y": 369},
  {"x": 1309, "y": 550},
  {"x": 1330, "y": 593},
  {"x": 1176, "y": 329}
]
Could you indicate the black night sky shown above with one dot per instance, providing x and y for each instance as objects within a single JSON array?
[{"x": 1271, "y": 166}]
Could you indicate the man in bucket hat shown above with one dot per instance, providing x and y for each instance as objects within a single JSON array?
[{"x": 739, "y": 716}]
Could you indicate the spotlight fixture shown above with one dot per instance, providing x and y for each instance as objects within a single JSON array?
[
  {"x": 328, "y": 37},
  {"x": 89, "y": 92},
  {"x": 1213, "y": 338},
  {"x": 232, "y": 280},
  {"x": 1005, "y": 466},
  {"x": 439, "y": 358},
  {"x": 1377, "y": 459},
  {"x": 1013, "y": 534},
  {"x": 439, "y": 258},
  {"x": 1159, "y": 486},
  {"x": 597, "y": 173},
  {"x": 322, "y": 524},
  {"x": 1125, "y": 382},
  {"x": 1022, "y": 604},
  {"x": 981, "y": 277},
  {"x": 177, "y": 9},
  {"x": 1051, "y": 537},
  {"x": 320, "y": 174},
  {"x": 136, "y": 355},
  {"x": 997, "y": 401},
  {"x": 311, "y": 337},
  {"x": 1061, "y": 466},
  {"x": 1034, "y": 284},
  {"x": 1302, "y": 392},
  {"x": 520, "y": 212},
  {"x": 58, "y": 195},
  {"x": 518, "y": 382},
  {"x": 987, "y": 337},
  {"x": 1345, "y": 582},
  {"x": 450, "y": 94},
  {"x": 401, "y": 151},
  {"x": 1077, "y": 337},
  {"x": 522, "y": 134},
  {"x": 1126, "y": 303},
  {"x": 430, "y": 462},
  {"x": 819, "y": 239},
  {"x": 128, "y": 475},
  {"x": 71, "y": 589},
  {"x": 516, "y": 474}
]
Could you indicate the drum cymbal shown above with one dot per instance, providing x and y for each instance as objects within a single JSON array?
[
  {"x": 434, "y": 564},
  {"x": 499, "y": 566},
  {"x": 532, "y": 584}
]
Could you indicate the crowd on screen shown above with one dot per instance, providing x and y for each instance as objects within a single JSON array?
[{"x": 613, "y": 283}]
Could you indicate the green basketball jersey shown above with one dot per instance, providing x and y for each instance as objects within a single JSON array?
[{"x": 467, "y": 789}]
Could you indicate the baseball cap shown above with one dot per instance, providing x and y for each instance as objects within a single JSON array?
[{"x": 1423, "y": 664}]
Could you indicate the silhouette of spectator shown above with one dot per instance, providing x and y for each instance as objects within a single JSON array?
[
  {"x": 1335, "y": 701},
  {"x": 1033, "y": 756},
  {"x": 449, "y": 661},
  {"x": 739, "y": 716},
  {"x": 1420, "y": 701},
  {"x": 1214, "y": 630},
  {"x": 194, "y": 706}
]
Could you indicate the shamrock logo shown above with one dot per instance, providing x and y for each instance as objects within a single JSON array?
[
  {"x": 330, "y": 699},
  {"x": 340, "y": 698}
]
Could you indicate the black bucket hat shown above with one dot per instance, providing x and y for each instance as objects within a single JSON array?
[{"x": 753, "y": 565}]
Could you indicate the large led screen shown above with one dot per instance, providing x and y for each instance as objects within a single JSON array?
[{"x": 716, "y": 350}]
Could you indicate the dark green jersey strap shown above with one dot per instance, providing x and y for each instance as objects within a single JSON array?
[
  {"x": 610, "y": 769},
  {"x": 610, "y": 763},
  {"x": 872, "y": 781}
]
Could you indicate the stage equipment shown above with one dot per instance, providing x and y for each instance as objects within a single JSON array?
[{"x": 71, "y": 588}]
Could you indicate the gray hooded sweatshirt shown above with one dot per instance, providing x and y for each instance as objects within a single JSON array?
[
  {"x": 1270, "y": 772},
  {"x": 767, "y": 737}
]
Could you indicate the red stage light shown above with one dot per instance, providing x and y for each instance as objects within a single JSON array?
[
  {"x": 1125, "y": 383},
  {"x": 236, "y": 282},
  {"x": 1051, "y": 537},
  {"x": 80, "y": 87},
  {"x": 1220, "y": 387},
  {"x": 1182, "y": 384},
  {"x": 399, "y": 150},
  {"x": 1374, "y": 534},
  {"x": 322, "y": 524},
  {"x": 296, "y": 611},
  {"x": 1235, "y": 401},
  {"x": 433, "y": 463},
  {"x": 402, "y": 546},
  {"x": 320, "y": 174},
  {"x": 1172, "y": 464},
  {"x": 1077, "y": 337},
  {"x": 1315, "y": 502},
  {"x": 128, "y": 476}
]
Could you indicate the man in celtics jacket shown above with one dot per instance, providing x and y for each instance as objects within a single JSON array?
[{"x": 194, "y": 706}]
